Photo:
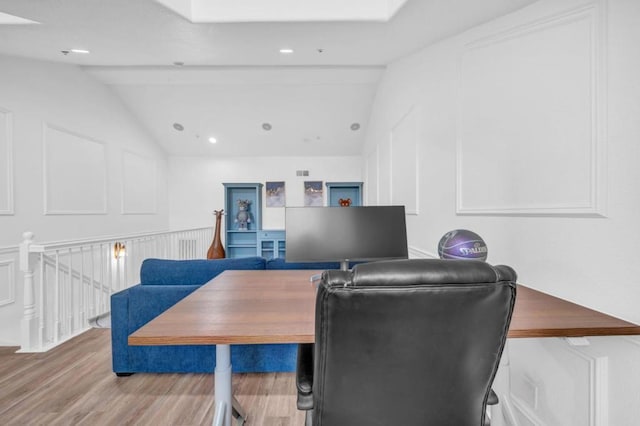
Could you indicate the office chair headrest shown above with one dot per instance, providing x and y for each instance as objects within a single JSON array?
[{"x": 422, "y": 271}]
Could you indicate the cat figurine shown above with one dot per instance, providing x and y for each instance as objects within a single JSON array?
[{"x": 243, "y": 218}]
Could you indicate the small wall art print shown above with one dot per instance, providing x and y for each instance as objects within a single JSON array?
[
  {"x": 313, "y": 194},
  {"x": 275, "y": 194}
]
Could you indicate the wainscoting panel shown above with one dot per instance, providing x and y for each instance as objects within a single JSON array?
[
  {"x": 6, "y": 162},
  {"x": 554, "y": 383},
  {"x": 7, "y": 282},
  {"x": 139, "y": 184},
  {"x": 404, "y": 162},
  {"x": 531, "y": 119},
  {"x": 75, "y": 173}
]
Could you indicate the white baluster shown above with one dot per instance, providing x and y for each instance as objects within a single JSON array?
[
  {"x": 42, "y": 302},
  {"x": 102, "y": 277},
  {"x": 29, "y": 324},
  {"x": 71, "y": 297},
  {"x": 83, "y": 308},
  {"x": 110, "y": 288},
  {"x": 90, "y": 289},
  {"x": 56, "y": 300}
]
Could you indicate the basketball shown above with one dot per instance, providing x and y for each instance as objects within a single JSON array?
[{"x": 462, "y": 244}]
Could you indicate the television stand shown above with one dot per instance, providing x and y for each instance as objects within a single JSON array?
[{"x": 344, "y": 265}]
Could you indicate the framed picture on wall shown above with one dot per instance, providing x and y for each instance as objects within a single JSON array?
[
  {"x": 275, "y": 194},
  {"x": 313, "y": 195}
]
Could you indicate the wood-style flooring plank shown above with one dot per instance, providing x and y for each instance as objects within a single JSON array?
[{"x": 73, "y": 385}]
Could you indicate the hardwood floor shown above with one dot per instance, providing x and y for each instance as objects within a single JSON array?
[{"x": 73, "y": 384}]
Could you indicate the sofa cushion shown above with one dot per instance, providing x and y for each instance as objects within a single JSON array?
[{"x": 192, "y": 272}]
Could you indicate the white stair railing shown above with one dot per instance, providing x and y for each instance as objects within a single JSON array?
[{"x": 68, "y": 283}]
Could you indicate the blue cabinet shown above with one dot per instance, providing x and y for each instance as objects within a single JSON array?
[
  {"x": 271, "y": 244},
  {"x": 243, "y": 207},
  {"x": 345, "y": 191}
]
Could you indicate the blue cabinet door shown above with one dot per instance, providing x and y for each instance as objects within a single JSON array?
[{"x": 271, "y": 244}]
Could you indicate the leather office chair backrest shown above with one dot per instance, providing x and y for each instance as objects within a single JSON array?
[{"x": 413, "y": 342}]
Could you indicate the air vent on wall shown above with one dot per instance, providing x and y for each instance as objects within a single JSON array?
[{"x": 302, "y": 172}]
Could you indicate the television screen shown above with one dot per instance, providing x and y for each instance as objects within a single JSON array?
[{"x": 321, "y": 234}]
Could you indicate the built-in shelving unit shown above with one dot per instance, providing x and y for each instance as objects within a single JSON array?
[{"x": 242, "y": 242}]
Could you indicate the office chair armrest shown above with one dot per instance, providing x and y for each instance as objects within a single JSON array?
[
  {"x": 304, "y": 376},
  {"x": 493, "y": 398}
]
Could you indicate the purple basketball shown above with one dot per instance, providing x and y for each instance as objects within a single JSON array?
[{"x": 462, "y": 244}]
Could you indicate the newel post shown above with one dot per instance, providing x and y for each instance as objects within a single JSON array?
[{"x": 29, "y": 323}]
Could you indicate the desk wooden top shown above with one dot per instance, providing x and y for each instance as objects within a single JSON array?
[
  {"x": 538, "y": 314},
  {"x": 275, "y": 306},
  {"x": 278, "y": 306}
]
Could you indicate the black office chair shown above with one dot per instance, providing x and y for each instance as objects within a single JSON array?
[{"x": 407, "y": 342}]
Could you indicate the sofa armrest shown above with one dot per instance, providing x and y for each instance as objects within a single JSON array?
[
  {"x": 119, "y": 331},
  {"x": 148, "y": 301},
  {"x": 134, "y": 307}
]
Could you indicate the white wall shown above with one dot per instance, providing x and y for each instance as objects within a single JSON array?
[
  {"x": 526, "y": 132},
  {"x": 196, "y": 190},
  {"x": 60, "y": 118},
  {"x": 577, "y": 255},
  {"x": 56, "y": 110}
]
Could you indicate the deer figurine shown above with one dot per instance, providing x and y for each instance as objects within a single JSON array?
[{"x": 216, "y": 251}]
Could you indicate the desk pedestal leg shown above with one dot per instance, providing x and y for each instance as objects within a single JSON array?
[{"x": 223, "y": 386}]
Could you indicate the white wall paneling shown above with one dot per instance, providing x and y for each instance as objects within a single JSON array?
[
  {"x": 139, "y": 184},
  {"x": 514, "y": 156},
  {"x": 75, "y": 173},
  {"x": 404, "y": 162},
  {"x": 6, "y": 162},
  {"x": 555, "y": 383},
  {"x": 7, "y": 282}
]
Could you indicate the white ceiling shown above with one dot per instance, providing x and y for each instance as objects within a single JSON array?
[{"x": 234, "y": 78}]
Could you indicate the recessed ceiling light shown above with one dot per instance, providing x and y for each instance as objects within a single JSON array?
[
  {"x": 355, "y": 126},
  {"x": 286, "y": 51},
  {"x": 266, "y": 126},
  {"x": 212, "y": 140},
  {"x": 179, "y": 127}
]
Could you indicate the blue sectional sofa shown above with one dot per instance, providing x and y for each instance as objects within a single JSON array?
[{"x": 162, "y": 284}]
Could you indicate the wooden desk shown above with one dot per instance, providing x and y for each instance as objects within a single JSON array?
[{"x": 279, "y": 307}]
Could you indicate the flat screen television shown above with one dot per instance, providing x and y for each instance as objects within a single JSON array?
[{"x": 343, "y": 234}]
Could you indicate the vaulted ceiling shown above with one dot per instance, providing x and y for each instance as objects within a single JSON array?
[{"x": 228, "y": 79}]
